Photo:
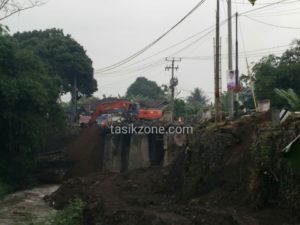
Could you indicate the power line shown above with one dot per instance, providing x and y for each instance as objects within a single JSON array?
[
  {"x": 130, "y": 58},
  {"x": 247, "y": 3},
  {"x": 243, "y": 39},
  {"x": 210, "y": 30},
  {"x": 158, "y": 62},
  {"x": 131, "y": 76},
  {"x": 134, "y": 69},
  {"x": 276, "y": 15},
  {"x": 265, "y": 6},
  {"x": 197, "y": 40},
  {"x": 166, "y": 49},
  {"x": 286, "y": 11},
  {"x": 260, "y": 52},
  {"x": 191, "y": 44},
  {"x": 273, "y": 25}
]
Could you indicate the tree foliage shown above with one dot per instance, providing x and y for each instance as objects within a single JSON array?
[
  {"x": 193, "y": 104},
  {"x": 28, "y": 105},
  {"x": 33, "y": 66},
  {"x": 197, "y": 98},
  {"x": 65, "y": 58},
  {"x": 278, "y": 72},
  {"x": 179, "y": 108},
  {"x": 225, "y": 101},
  {"x": 145, "y": 89},
  {"x": 247, "y": 91}
]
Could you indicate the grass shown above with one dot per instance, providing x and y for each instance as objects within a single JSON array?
[{"x": 71, "y": 215}]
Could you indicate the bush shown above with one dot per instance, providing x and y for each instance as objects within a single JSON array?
[{"x": 71, "y": 215}]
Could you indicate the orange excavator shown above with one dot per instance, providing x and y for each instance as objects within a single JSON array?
[{"x": 128, "y": 110}]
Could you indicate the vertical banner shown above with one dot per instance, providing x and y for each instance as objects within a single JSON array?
[{"x": 231, "y": 80}]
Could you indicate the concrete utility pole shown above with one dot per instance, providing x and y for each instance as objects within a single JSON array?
[
  {"x": 236, "y": 66},
  {"x": 173, "y": 81},
  {"x": 218, "y": 116},
  {"x": 230, "y": 64}
]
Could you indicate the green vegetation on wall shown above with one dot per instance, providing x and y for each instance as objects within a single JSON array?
[{"x": 273, "y": 180}]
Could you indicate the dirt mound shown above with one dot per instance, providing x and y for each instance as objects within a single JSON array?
[
  {"x": 86, "y": 152},
  {"x": 207, "y": 184},
  {"x": 220, "y": 158},
  {"x": 140, "y": 198},
  {"x": 136, "y": 198}
]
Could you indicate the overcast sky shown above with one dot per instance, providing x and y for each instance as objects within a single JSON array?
[{"x": 111, "y": 30}]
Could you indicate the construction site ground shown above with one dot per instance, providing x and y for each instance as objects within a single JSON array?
[
  {"x": 155, "y": 196},
  {"x": 141, "y": 197}
]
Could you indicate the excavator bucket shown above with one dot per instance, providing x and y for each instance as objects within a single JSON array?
[{"x": 292, "y": 153}]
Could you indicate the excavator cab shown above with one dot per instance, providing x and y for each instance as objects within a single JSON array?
[{"x": 133, "y": 110}]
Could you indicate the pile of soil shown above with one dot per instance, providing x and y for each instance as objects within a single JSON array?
[
  {"x": 86, "y": 152},
  {"x": 140, "y": 198},
  {"x": 206, "y": 184}
]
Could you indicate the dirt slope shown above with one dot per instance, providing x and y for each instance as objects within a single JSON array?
[
  {"x": 86, "y": 152},
  {"x": 206, "y": 185},
  {"x": 140, "y": 198}
]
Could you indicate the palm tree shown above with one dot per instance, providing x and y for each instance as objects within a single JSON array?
[{"x": 290, "y": 96}]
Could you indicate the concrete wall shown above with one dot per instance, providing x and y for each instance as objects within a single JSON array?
[
  {"x": 125, "y": 153},
  {"x": 174, "y": 144},
  {"x": 112, "y": 153},
  {"x": 139, "y": 156}
]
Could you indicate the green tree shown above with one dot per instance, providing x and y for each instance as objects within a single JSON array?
[
  {"x": 197, "y": 98},
  {"x": 278, "y": 72},
  {"x": 179, "y": 108},
  {"x": 145, "y": 89},
  {"x": 225, "y": 101},
  {"x": 28, "y": 107},
  {"x": 65, "y": 58},
  {"x": 247, "y": 92}
]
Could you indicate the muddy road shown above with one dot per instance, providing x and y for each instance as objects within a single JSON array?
[{"x": 26, "y": 207}]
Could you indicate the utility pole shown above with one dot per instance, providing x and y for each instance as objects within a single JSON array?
[
  {"x": 173, "y": 81},
  {"x": 236, "y": 65},
  {"x": 218, "y": 116},
  {"x": 230, "y": 64}
]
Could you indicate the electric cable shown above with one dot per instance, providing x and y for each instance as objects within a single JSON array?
[
  {"x": 265, "y": 6},
  {"x": 168, "y": 48},
  {"x": 209, "y": 29},
  {"x": 130, "y": 58},
  {"x": 273, "y": 25},
  {"x": 286, "y": 12}
]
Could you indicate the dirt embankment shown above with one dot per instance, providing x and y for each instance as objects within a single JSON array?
[
  {"x": 208, "y": 184},
  {"x": 86, "y": 152}
]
